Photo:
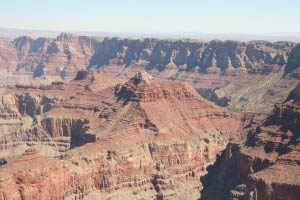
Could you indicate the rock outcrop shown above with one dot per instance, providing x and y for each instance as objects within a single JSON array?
[
  {"x": 63, "y": 56},
  {"x": 8, "y": 57},
  {"x": 293, "y": 63},
  {"x": 192, "y": 55},
  {"x": 67, "y": 54},
  {"x": 266, "y": 164},
  {"x": 102, "y": 137},
  {"x": 224, "y": 67},
  {"x": 242, "y": 76},
  {"x": 105, "y": 136}
]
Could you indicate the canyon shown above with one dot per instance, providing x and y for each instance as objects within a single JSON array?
[
  {"x": 115, "y": 118},
  {"x": 264, "y": 164},
  {"x": 242, "y": 76},
  {"x": 144, "y": 134}
]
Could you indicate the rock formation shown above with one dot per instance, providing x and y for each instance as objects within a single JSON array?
[
  {"x": 246, "y": 75},
  {"x": 104, "y": 119},
  {"x": 67, "y": 54},
  {"x": 98, "y": 135},
  {"x": 62, "y": 56},
  {"x": 264, "y": 165},
  {"x": 293, "y": 64},
  {"x": 230, "y": 69},
  {"x": 223, "y": 55}
]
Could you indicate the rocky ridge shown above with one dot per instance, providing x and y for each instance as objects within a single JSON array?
[
  {"x": 223, "y": 67},
  {"x": 186, "y": 55},
  {"x": 265, "y": 165},
  {"x": 63, "y": 56},
  {"x": 67, "y": 54},
  {"x": 249, "y": 76},
  {"x": 106, "y": 140}
]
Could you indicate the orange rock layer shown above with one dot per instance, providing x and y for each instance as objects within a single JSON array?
[{"x": 108, "y": 135}]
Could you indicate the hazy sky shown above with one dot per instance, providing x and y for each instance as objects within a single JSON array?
[{"x": 206, "y": 16}]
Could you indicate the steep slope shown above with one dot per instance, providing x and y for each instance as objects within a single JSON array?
[
  {"x": 25, "y": 112},
  {"x": 144, "y": 138},
  {"x": 63, "y": 56},
  {"x": 32, "y": 176},
  {"x": 266, "y": 164},
  {"x": 191, "y": 55},
  {"x": 247, "y": 75},
  {"x": 66, "y": 54},
  {"x": 8, "y": 57},
  {"x": 293, "y": 63},
  {"x": 230, "y": 70}
]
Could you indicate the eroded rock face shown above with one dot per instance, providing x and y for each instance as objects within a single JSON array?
[
  {"x": 63, "y": 56},
  {"x": 8, "y": 57},
  {"x": 245, "y": 74},
  {"x": 67, "y": 54},
  {"x": 26, "y": 118},
  {"x": 293, "y": 64},
  {"x": 32, "y": 176},
  {"x": 111, "y": 136},
  {"x": 247, "y": 77},
  {"x": 266, "y": 164},
  {"x": 192, "y": 54},
  {"x": 211, "y": 95},
  {"x": 147, "y": 138}
]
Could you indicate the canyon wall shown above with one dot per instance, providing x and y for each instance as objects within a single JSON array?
[
  {"x": 63, "y": 56},
  {"x": 106, "y": 136},
  {"x": 249, "y": 76},
  {"x": 265, "y": 164},
  {"x": 188, "y": 55},
  {"x": 144, "y": 137},
  {"x": 67, "y": 54}
]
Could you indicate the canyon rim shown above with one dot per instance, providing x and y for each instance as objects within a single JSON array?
[{"x": 166, "y": 107}]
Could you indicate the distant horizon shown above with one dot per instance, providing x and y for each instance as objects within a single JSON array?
[
  {"x": 151, "y": 32},
  {"x": 12, "y": 33}
]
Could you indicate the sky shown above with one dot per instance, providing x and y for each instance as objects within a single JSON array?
[{"x": 205, "y": 16}]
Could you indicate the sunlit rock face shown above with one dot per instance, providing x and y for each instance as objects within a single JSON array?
[
  {"x": 224, "y": 55},
  {"x": 143, "y": 135},
  {"x": 242, "y": 76},
  {"x": 237, "y": 73},
  {"x": 100, "y": 135},
  {"x": 67, "y": 54},
  {"x": 63, "y": 56},
  {"x": 265, "y": 164}
]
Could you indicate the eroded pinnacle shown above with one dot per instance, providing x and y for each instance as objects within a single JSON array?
[{"x": 141, "y": 77}]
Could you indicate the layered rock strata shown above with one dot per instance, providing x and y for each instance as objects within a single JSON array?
[
  {"x": 246, "y": 74},
  {"x": 63, "y": 56},
  {"x": 266, "y": 164},
  {"x": 67, "y": 54},
  {"x": 141, "y": 135}
]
